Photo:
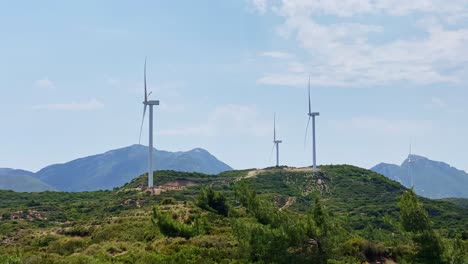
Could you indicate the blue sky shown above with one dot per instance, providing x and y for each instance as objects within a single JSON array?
[{"x": 383, "y": 73}]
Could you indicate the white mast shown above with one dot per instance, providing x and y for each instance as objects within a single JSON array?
[
  {"x": 275, "y": 141},
  {"x": 312, "y": 116},
  {"x": 149, "y": 103}
]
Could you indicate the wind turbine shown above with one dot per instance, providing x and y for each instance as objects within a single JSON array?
[
  {"x": 312, "y": 116},
  {"x": 149, "y": 103},
  {"x": 410, "y": 174},
  {"x": 275, "y": 141}
]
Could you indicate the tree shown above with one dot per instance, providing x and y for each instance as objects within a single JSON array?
[
  {"x": 213, "y": 201},
  {"x": 415, "y": 220}
]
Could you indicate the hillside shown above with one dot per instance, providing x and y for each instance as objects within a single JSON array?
[
  {"x": 120, "y": 226},
  {"x": 117, "y": 167},
  {"x": 14, "y": 172},
  {"x": 23, "y": 183},
  {"x": 432, "y": 179},
  {"x": 462, "y": 202}
]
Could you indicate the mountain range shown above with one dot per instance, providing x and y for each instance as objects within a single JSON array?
[
  {"x": 432, "y": 179},
  {"x": 21, "y": 181},
  {"x": 111, "y": 169}
]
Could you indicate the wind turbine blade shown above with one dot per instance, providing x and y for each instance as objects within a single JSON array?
[
  {"x": 307, "y": 130},
  {"x": 310, "y": 108},
  {"x": 144, "y": 75},
  {"x": 274, "y": 127},
  {"x": 142, "y": 121},
  {"x": 271, "y": 153}
]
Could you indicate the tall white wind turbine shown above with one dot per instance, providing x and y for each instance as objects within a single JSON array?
[
  {"x": 276, "y": 142},
  {"x": 149, "y": 103},
  {"x": 312, "y": 116}
]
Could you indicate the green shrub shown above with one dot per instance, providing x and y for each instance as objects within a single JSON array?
[
  {"x": 80, "y": 231},
  {"x": 170, "y": 227},
  {"x": 213, "y": 201},
  {"x": 10, "y": 259},
  {"x": 44, "y": 241},
  {"x": 364, "y": 250},
  {"x": 67, "y": 246},
  {"x": 167, "y": 201}
]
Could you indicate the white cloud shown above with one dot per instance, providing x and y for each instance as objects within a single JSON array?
[
  {"x": 341, "y": 53},
  {"x": 228, "y": 119},
  {"x": 90, "y": 105},
  {"x": 276, "y": 54},
  {"x": 44, "y": 83},
  {"x": 259, "y": 6},
  {"x": 384, "y": 126}
]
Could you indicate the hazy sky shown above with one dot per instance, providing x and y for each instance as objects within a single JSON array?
[{"x": 383, "y": 73}]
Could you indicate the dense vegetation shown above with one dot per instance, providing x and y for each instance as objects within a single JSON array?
[{"x": 341, "y": 214}]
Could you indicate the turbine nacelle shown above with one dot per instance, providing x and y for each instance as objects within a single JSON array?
[
  {"x": 151, "y": 102},
  {"x": 314, "y": 114}
]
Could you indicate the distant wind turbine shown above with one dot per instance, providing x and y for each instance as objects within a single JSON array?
[
  {"x": 312, "y": 116},
  {"x": 149, "y": 103},
  {"x": 276, "y": 142},
  {"x": 410, "y": 161}
]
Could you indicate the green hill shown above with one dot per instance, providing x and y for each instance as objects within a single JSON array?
[
  {"x": 270, "y": 215},
  {"x": 462, "y": 202}
]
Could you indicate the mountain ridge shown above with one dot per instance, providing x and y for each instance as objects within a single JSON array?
[
  {"x": 115, "y": 167},
  {"x": 432, "y": 179}
]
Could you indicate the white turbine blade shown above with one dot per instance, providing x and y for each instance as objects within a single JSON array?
[
  {"x": 274, "y": 127},
  {"x": 144, "y": 76},
  {"x": 142, "y": 121},
  {"x": 306, "y": 132},
  {"x": 271, "y": 153},
  {"x": 310, "y": 107}
]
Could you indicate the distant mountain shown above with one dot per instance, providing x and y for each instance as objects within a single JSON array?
[
  {"x": 13, "y": 172},
  {"x": 22, "y": 183},
  {"x": 117, "y": 167},
  {"x": 433, "y": 179}
]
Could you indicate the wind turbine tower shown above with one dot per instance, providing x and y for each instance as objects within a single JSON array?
[
  {"x": 312, "y": 116},
  {"x": 410, "y": 161},
  {"x": 276, "y": 142},
  {"x": 149, "y": 103}
]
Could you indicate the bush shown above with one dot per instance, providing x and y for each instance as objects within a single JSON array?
[
  {"x": 44, "y": 241},
  {"x": 364, "y": 250},
  {"x": 167, "y": 201},
  {"x": 79, "y": 231},
  {"x": 68, "y": 246},
  {"x": 213, "y": 201},
  {"x": 170, "y": 227}
]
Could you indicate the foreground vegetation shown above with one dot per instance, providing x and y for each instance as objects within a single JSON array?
[{"x": 341, "y": 214}]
